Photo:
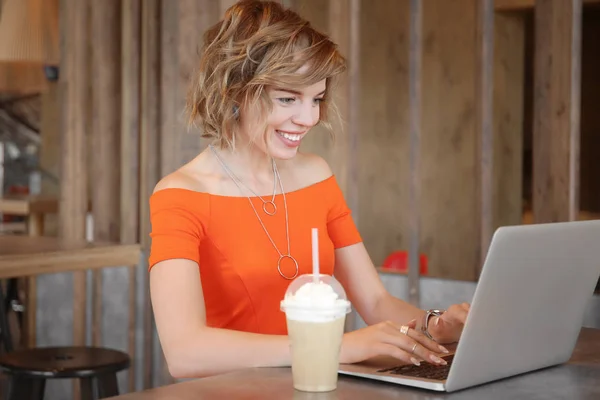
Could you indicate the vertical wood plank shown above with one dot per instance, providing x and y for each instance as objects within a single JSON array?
[
  {"x": 353, "y": 133},
  {"x": 106, "y": 131},
  {"x": 344, "y": 29},
  {"x": 353, "y": 83},
  {"x": 169, "y": 68},
  {"x": 384, "y": 128},
  {"x": 130, "y": 122},
  {"x": 339, "y": 30},
  {"x": 557, "y": 91},
  {"x": 130, "y": 167},
  {"x": 484, "y": 38},
  {"x": 449, "y": 224},
  {"x": 509, "y": 112},
  {"x": 195, "y": 17},
  {"x": 74, "y": 80},
  {"x": 414, "y": 93},
  {"x": 149, "y": 153}
]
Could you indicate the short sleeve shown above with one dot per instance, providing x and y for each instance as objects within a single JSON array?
[
  {"x": 177, "y": 226},
  {"x": 340, "y": 225}
]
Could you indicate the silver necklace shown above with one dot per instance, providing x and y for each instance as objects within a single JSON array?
[
  {"x": 269, "y": 207},
  {"x": 239, "y": 184}
]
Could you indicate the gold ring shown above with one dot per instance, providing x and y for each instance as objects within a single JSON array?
[
  {"x": 404, "y": 329},
  {"x": 414, "y": 348}
]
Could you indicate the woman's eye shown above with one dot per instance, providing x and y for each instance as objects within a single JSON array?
[
  {"x": 286, "y": 100},
  {"x": 319, "y": 101}
]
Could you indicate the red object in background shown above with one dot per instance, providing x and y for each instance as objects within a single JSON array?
[
  {"x": 18, "y": 189},
  {"x": 398, "y": 261}
]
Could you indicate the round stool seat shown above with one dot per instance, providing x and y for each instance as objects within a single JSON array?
[{"x": 64, "y": 362}]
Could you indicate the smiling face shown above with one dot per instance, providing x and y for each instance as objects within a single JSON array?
[
  {"x": 293, "y": 113},
  {"x": 283, "y": 52}
]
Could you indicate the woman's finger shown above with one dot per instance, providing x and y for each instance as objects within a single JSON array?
[
  {"x": 416, "y": 344},
  {"x": 424, "y": 340},
  {"x": 393, "y": 351}
]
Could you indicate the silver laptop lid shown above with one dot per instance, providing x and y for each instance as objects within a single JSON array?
[{"x": 529, "y": 303}]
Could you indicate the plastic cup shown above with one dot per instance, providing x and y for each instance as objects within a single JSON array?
[{"x": 315, "y": 312}]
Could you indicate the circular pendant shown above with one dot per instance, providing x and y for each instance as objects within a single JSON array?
[
  {"x": 269, "y": 208},
  {"x": 279, "y": 267}
]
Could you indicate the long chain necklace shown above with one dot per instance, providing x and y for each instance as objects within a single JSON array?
[
  {"x": 269, "y": 207},
  {"x": 239, "y": 184}
]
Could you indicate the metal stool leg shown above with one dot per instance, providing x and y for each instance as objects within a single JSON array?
[
  {"x": 86, "y": 386},
  {"x": 4, "y": 329},
  {"x": 20, "y": 388},
  {"x": 107, "y": 385}
]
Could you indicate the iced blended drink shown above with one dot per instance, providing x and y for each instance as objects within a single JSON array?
[{"x": 315, "y": 313}]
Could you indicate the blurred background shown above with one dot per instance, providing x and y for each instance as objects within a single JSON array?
[{"x": 458, "y": 117}]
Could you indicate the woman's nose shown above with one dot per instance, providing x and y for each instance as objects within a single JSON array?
[{"x": 307, "y": 115}]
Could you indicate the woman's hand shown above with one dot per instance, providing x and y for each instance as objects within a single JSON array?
[
  {"x": 448, "y": 327},
  {"x": 386, "y": 339}
]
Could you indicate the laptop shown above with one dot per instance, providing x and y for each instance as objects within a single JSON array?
[{"x": 529, "y": 302}]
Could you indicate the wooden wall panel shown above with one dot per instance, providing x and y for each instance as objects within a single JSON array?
[
  {"x": 449, "y": 220},
  {"x": 169, "y": 89},
  {"x": 73, "y": 200},
  {"x": 106, "y": 136},
  {"x": 415, "y": 104},
  {"x": 339, "y": 29},
  {"x": 150, "y": 103},
  {"x": 484, "y": 84},
  {"x": 509, "y": 81},
  {"x": 557, "y": 93},
  {"x": 130, "y": 160},
  {"x": 449, "y": 201},
  {"x": 182, "y": 27},
  {"x": 384, "y": 137},
  {"x": 130, "y": 120}
]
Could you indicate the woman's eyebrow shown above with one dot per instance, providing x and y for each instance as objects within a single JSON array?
[{"x": 292, "y": 91}]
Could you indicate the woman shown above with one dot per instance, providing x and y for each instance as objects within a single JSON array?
[{"x": 231, "y": 228}]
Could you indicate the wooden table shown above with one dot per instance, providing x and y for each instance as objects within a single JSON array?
[
  {"x": 27, "y": 256},
  {"x": 578, "y": 379}
]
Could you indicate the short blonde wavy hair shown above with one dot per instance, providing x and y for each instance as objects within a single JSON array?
[{"x": 258, "y": 44}]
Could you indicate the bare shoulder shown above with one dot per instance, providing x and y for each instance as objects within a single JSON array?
[
  {"x": 186, "y": 177},
  {"x": 175, "y": 180},
  {"x": 313, "y": 167}
]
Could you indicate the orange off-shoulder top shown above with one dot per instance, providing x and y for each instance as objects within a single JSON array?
[{"x": 237, "y": 261}]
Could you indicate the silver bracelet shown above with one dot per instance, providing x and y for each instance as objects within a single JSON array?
[{"x": 425, "y": 323}]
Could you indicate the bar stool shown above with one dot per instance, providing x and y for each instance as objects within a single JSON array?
[{"x": 95, "y": 367}]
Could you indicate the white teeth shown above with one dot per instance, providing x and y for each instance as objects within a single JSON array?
[{"x": 288, "y": 136}]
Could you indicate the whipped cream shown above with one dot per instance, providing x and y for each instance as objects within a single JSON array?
[{"x": 314, "y": 302}]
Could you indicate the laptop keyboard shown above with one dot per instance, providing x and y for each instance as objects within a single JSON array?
[{"x": 425, "y": 370}]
